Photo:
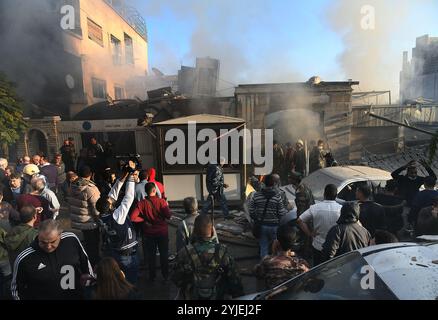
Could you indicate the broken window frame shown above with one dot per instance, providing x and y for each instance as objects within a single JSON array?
[
  {"x": 99, "y": 86},
  {"x": 95, "y": 32}
]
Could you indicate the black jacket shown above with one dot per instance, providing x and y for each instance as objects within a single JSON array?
[
  {"x": 215, "y": 179},
  {"x": 347, "y": 235},
  {"x": 393, "y": 206},
  {"x": 408, "y": 188},
  {"x": 41, "y": 276},
  {"x": 372, "y": 216}
]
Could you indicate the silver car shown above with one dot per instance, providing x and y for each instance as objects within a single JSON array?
[
  {"x": 345, "y": 178},
  {"x": 405, "y": 271}
]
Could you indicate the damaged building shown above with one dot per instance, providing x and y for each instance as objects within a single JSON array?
[
  {"x": 419, "y": 76},
  {"x": 305, "y": 110},
  {"x": 61, "y": 71}
]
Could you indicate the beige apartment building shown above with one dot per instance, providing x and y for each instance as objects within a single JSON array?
[{"x": 113, "y": 50}]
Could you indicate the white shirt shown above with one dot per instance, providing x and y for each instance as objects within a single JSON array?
[{"x": 324, "y": 216}]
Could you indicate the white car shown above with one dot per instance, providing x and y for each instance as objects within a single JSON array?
[
  {"x": 402, "y": 271},
  {"x": 345, "y": 178}
]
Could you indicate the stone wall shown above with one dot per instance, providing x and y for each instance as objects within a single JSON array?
[{"x": 48, "y": 127}]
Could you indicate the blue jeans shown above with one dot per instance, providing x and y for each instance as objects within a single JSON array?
[
  {"x": 267, "y": 236},
  {"x": 129, "y": 266},
  {"x": 222, "y": 201}
]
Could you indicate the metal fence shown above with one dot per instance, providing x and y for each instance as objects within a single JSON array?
[{"x": 406, "y": 114}]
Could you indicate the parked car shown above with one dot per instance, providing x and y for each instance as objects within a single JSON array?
[
  {"x": 345, "y": 178},
  {"x": 405, "y": 271}
]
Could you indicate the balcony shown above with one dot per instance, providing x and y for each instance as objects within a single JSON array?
[{"x": 131, "y": 16}]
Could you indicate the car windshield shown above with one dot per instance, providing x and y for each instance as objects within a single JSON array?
[
  {"x": 348, "y": 277},
  {"x": 317, "y": 182}
]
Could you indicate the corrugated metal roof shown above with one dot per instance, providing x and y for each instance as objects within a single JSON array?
[
  {"x": 394, "y": 161},
  {"x": 201, "y": 119}
]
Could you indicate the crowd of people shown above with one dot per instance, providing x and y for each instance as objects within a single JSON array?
[
  {"x": 90, "y": 249},
  {"x": 294, "y": 160},
  {"x": 317, "y": 232},
  {"x": 115, "y": 212}
]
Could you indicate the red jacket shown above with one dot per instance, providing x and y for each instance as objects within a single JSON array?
[
  {"x": 151, "y": 178},
  {"x": 155, "y": 220}
]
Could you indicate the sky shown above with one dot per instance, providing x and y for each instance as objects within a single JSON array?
[{"x": 261, "y": 41}]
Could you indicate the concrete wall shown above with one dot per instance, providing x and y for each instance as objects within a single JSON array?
[{"x": 48, "y": 126}]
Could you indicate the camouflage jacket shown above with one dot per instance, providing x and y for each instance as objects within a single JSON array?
[
  {"x": 276, "y": 269},
  {"x": 191, "y": 256},
  {"x": 215, "y": 179},
  {"x": 303, "y": 198}
]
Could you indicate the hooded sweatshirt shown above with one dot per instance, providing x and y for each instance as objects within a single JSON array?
[
  {"x": 151, "y": 174},
  {"x": 270, "y": 198},
  {"x": 18, "y": 239},
  {"x": 347, "y": 235}
]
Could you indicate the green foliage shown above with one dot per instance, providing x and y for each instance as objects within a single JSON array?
[{"x": 12, "y": 123}]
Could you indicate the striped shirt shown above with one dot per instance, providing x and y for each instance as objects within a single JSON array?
[
  {"x": 272, "y": 200},
  {"x": 323, "y": 215}
]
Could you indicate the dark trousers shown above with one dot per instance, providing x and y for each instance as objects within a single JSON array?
[
  {"x": 217, "y": 198},
  {"x": 5, "y": 280},
  {"x": 150, "y": 245},
  {"x": 317, "y": 257},
  {"x": 92, "y": 241}
]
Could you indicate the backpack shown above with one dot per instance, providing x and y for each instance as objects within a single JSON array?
[{"x": 206, "y": 274}]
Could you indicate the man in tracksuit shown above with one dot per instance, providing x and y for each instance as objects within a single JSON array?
[
  {"x": 120, "y": 241},
  {"x": 52, "y": 267}
]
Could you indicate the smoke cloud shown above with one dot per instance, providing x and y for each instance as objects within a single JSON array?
[
  {"x": 373, "y": 56},
  {"x": 223, "y": 30},
  {"x": 30, "y": 60}
]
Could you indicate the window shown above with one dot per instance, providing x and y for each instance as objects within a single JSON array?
[
  {"x": 99, "y": 88},
  {"x": 95, "y": 32},
  {"x": 338, "y": 279},
  {"x": 129, "y": 49},
  {"x": 116, "y": 50},
  {"x": 348, "y": 193},
  {"x": 119, "y": 93}
]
